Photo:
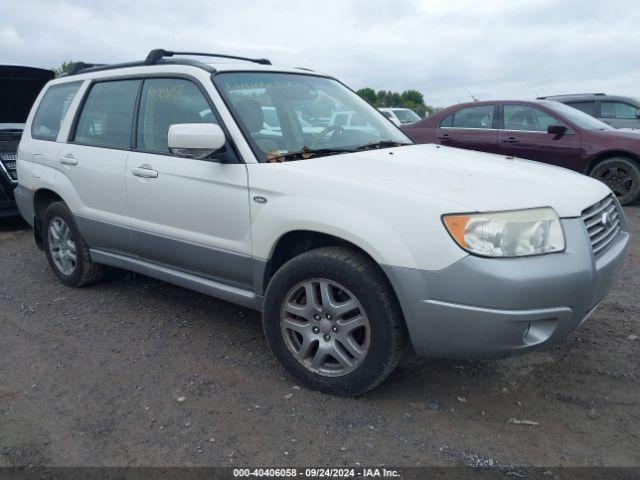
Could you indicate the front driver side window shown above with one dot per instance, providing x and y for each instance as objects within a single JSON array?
[
  {"x": 618, "y": 110},
  {"x": 526, "y": 118},
  {"x": 165, "y": 102}
]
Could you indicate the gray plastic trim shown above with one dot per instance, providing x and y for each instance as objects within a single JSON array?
[{"x": 219, "y": 290}]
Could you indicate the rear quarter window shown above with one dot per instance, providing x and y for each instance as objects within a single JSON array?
[{"x": 52, "y": 110}]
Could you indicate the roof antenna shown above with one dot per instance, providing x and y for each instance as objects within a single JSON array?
[{"x": 471, "y": 95}]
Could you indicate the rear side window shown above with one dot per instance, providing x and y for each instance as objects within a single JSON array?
[
  {"x": 447, "y": 122},
  {"x": 107, "y": 115},
  {"x": 587, "y": 107},
  {"x": 52, "y": 109},
  {"x": 471, "y": 117},
  {"x": 165, "y": 102}
]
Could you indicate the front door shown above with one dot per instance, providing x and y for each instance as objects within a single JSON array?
[
  {"x": 186, "y": 214},
  {"x": 524, "y": 135},
  {"x": 472, "y": 128}
]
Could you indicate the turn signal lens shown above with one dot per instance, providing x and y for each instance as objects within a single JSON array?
[{"x": 514, "y": 233}]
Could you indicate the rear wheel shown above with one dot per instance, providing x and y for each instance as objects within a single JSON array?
[
  {"x": 621, "y": 175},
  {"x": 333, "y": 322},
  {"x": 66, "y": 249}
]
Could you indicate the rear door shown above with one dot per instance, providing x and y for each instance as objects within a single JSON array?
[
  {"x": 472, "y": 128},
  {"x": 190, "y": 215},
  {"x": 94, "y": 159},
  {"x": 619, "y": 114},
  {"x": 523, "y": 134}
]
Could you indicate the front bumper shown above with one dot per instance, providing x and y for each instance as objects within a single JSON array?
[{"x": 482, "y": 307}]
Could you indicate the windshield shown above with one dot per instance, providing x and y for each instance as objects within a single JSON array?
[
  {"x": 406, "y": 115},
  {"x": 286, "y": 114},
  {"x": 578, "y": 117}
]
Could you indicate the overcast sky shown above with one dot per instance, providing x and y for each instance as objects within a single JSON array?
[{"x": 445, "y": 49}]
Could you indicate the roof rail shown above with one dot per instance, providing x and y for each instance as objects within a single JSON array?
[
  {"x": 155, "y": 55},
  {"x": 159, "y": 56},
  {"x": 599, "y": 94},
  {"x": 77, "y": 66}
]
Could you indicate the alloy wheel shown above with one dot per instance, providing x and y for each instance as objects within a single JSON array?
[
  {"x": 325, "y": 327},
  {"x": 61, "y": 246},
  {"x": 617, "y": 178}
]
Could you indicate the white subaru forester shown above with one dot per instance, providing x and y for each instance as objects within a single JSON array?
[{"x": 347, "y": 238}]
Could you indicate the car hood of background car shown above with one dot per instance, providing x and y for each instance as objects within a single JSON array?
[
  {"x": 19, "y": 87},
  {"x": 478, "y": 181},
  {"x": 619, "y": 134}
]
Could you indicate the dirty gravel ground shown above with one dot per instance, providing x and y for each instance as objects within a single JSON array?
[{"x": 138, "y": 372}]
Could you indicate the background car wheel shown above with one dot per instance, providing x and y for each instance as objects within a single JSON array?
[
  {"x": 333, "y": 321},
  {"x": 66, "y": 249},
  {"x": 621, "y": 175}
]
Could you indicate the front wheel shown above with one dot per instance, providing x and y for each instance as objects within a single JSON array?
[
  {"x": 333, "y": 322},
  {"x": 621, "y": 175}
]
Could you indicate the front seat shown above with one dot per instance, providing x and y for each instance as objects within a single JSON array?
[{"x": 251, "y": 116}]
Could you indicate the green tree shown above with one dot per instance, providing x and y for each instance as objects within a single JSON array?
[
  {"x": 369, "y": 94},
  {"x": 412, "y": 99},
  {"x": 412, "y": 96},
  {"x": 64, "y": 68}
]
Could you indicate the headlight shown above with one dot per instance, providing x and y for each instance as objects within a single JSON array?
[{"x": 507, "y": 234}]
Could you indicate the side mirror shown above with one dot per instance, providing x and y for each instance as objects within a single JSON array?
[
  {"x": 558, "y": 130},
  {"x": 638, "y": 113},
  {"x": 195, "y": 140}
]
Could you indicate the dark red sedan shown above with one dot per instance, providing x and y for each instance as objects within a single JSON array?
[{"x": 541, "y": 130}]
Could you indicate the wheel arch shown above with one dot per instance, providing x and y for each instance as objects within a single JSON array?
[
  {"x": 42, "y": 198},
  {"x": 610, "y": 154},
  {"x": 296, "y": 242}
]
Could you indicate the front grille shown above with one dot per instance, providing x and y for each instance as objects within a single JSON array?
[
  {"x": 9, "y": 163},
  {"x": 603, "y": 224}
]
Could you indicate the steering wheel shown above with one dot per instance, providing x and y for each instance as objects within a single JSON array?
[{"x": 334, "y": 130}]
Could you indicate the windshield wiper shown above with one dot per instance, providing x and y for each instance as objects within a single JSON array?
[
  {"x": 381, "y": 144},
  {"x": 305, "y": 154}
]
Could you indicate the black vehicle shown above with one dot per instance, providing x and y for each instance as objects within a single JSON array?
[
  {"x": 617, "y": 111},
  {"x": 19, "y": 87}
]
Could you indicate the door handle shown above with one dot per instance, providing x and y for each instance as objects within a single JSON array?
[
  {"x": 144, "y": 171},
  {"x": 68, "y": 159},
  {"x": 510, "y": 140},
  {"x": 446, "y": 136}
]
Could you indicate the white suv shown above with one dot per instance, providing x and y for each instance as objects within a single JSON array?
[{"x": 349, "y": 240}]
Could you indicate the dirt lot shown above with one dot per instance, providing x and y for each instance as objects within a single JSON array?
[{"x": 137, "y": 372}]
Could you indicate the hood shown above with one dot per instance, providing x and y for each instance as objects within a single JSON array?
[
  {"x": 618, "y": 133},
  {"x": 629, "y": 130},
  {"x": 19, "y": 87},
  {"x": 478, "y": 181}
]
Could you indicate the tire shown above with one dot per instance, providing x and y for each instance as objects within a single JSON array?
[
  {"x": 58, "y": 220},
  {"x": 621, "y": 175},
  {"x": 348, "y": 279}
]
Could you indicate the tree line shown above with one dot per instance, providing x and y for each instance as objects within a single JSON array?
[{"x": 411, "y": 99}]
